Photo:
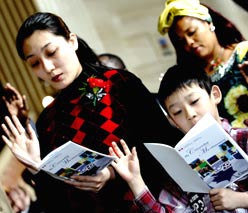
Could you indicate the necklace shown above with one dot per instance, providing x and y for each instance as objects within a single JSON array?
[{"x": 217, "y": 62}]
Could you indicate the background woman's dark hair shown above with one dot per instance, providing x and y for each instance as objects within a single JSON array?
[
  {"x": 54, "y": 24},
  {"x": 226, "y": 32}
]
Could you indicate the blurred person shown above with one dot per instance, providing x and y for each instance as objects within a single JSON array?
[
  {"x": 111, "y": 60},
  {"x": 20, "y": 193},
  {"x": 5, "y": 205}
]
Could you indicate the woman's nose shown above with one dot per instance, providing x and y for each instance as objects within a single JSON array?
[
  {"x": 189, "y": 41},
  {"x": 48, "y": 66}
]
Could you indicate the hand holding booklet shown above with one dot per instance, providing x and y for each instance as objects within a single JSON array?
[
  {"x": 206, "y": 157},
  {"x": 74, "y": 159}
]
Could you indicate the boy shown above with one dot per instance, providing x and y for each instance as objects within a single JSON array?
[{"x": 186, "y": 95}]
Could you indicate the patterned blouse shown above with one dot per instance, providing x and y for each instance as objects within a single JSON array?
[
  {"x": 234, "y": 88},
  {"x": 171, "y": 204}
]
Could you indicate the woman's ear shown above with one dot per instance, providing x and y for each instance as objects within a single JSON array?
[
  {"x": 211, "y": 27},
  {"x": 216, "y": 94},
  {"x": 73, "y": 40}
]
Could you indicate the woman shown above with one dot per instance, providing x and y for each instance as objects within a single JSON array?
[
  {"x": 95, "y": 106},
  {"x": 203, "y": 37}
]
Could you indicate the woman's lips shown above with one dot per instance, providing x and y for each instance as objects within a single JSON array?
[
  {"x": 57, "y": 78},
  {"x": 196, "y": 50}
]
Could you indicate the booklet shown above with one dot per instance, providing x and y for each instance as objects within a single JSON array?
[
  {"x": 74, "y": 159},
  {"x": 206, "y": 157}
]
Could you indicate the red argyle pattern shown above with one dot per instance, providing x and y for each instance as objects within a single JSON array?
[{"x": 78, "y": 120}]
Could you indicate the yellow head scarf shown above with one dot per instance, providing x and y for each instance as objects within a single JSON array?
[{"x": 174, "y": 8}]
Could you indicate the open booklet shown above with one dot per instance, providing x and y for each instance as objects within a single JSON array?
[
  {"x": 206, "y": 157},
  {"x": 74, "y": 159}
]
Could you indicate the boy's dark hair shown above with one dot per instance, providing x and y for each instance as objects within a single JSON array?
[{"x": 178, "y": 77}]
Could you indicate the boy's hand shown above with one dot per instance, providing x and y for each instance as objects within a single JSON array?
[{"x": 127, "y": 165}]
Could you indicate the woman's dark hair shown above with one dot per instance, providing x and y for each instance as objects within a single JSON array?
[
  {"x": 86, "y": 54},
  {"x": 178, "y": 77},
  {"x": 226, "y": 32},
  {"x": 54, "y": 24}
]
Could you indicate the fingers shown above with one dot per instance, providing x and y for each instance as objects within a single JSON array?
[
  {"x": 16, "y": 103},
  {"x": 134, "y": 152},
  {"x": 8, "y": 130},
  {"x": 12, "y": 90},
  {"x": 125, "y": 147},
  {"x": 12, "y": 131},
  {"x": 15, "y": 127},
  {"x": 12, "y": 93},
  {"x": 111, "y": 151},
  {"x": 31, "y": 132},
  {"x": 116, "y": 150},
  {"x": 20, "y": 200},
  {"x": 25, "y": 103},
  {"x": 86, "y": 183},
  {"x": 5, "y": 139}
]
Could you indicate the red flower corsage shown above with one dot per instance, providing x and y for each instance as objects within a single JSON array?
[{"x": 95, "y": 89}]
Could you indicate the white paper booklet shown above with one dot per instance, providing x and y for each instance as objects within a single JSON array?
[
  {"x": 71, "y": 158},
  {"x": 206, "y": 157}
]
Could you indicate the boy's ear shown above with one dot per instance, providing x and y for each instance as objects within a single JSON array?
[{"x": 216, "y": 94}]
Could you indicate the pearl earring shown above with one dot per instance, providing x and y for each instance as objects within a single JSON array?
[{"x": 212, "y": 28}]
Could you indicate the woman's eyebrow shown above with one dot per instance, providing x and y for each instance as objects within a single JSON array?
[{"x": 29, "y": 56}]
